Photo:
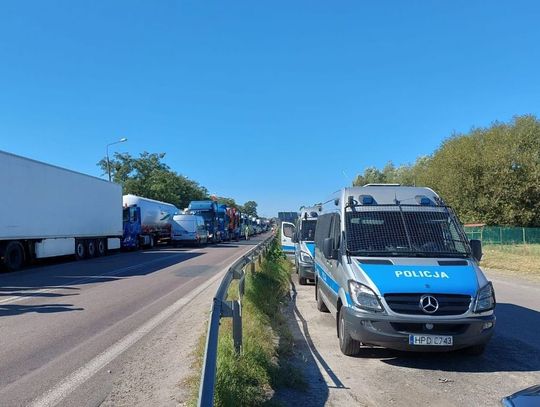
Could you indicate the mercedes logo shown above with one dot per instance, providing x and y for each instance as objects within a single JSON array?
[{"x": 429, "y": 304}]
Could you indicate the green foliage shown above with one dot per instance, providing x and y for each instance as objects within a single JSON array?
[
  {"x": 150, "y": 177},
  {"x": 250, "y": 207},
  {"x": 489, "y": 175},
  {"x": 247, "y": 379}
]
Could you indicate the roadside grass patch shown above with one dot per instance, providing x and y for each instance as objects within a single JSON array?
[
  {"x": 519, "y": 258},
  {"x": 251, "y": 378}
]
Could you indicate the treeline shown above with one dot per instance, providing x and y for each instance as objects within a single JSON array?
[
  {"x": 148, "y": 176},
  {"x": 489, "y": 175}
]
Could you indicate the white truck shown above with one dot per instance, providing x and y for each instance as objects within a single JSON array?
[
  {"x": 146, "y": 221},
  {"x": 48, "y": 211}
]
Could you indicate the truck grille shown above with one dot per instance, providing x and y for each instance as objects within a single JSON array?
[{"x": 449, "y": 304}]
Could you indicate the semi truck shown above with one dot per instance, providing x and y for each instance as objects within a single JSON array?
[
  {"x": 209, "y": 211},
  {"x": 48, "y": 211},
  {"x": 146, "y": 222}
]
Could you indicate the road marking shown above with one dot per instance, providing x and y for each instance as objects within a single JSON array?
[
  {"x": 69, "y": 384},
  {"x": 87, "y": 279},
  {"x": 59, "y": 392}
]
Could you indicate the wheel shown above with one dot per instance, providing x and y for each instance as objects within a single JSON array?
[
  {"x": 321, "y": 306},
  {"x": 348, "y": 345},
  {"x": 301, "y": 280},
  {"x": 476, "y": 350},
  {"x": 91, "y": 248},
  {"x": 80, "y": 249},
  {"x": 14, "y": 256},
  {"x": 101, "y": 247}
]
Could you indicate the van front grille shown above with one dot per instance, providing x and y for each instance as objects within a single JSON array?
[{"x": 449, "y": 304}]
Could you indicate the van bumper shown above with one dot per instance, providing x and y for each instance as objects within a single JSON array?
[
  {"x": 393, "y": 333},
  {"x": 306, "y": 271}
]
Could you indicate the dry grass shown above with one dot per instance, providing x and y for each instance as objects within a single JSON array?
[{"x": 517, "y": 258}]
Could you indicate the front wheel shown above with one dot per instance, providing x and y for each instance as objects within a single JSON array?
[{"x": 348, "y": 345}]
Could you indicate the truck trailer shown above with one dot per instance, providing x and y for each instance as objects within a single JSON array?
[
  {"x": 146, "y": 221},
  {"x": 48, "y": 211}
]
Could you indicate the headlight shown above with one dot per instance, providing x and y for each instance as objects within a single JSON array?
[
  {"x": 306, "y": 257},
  {"x": 364, "y": 297},
  {"x": 485, "y": 299}
]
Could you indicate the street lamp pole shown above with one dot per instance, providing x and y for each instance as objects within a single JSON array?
[{"x": 123, "y": 139}]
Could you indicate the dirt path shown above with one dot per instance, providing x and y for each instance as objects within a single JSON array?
[{"x": 383, "y": 377}]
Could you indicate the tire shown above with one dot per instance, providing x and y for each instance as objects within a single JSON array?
[
  {"x": 301, "y": 280},
  {"x": 80, "y": 249},
  {"x": 348, "y": 345},
  {"x": 14, "y": 256},
  {"x": 321, "y": 306},
  {"x": 476, "y": 350},
  {"x": 101, "y": 247},
  {"x": 91, "y": 248}
]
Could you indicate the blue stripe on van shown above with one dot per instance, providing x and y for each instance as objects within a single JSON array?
[
  {"x": 422, "y": 279},
  {"x": 324, "y": 276},
  {"x": 311, "y": 248},
  {"x": 287, "y": 248}
]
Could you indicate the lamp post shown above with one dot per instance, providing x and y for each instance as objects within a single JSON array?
[{"x": 123, "y": 139}]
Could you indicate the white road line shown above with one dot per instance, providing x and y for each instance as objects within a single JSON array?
[
  {"x": 59, "y": 392},
  {"x": 70, "y": 383},
  {"x": 86, "y": 279}
]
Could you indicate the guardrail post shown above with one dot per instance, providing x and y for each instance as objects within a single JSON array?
[
  {"x": 252, "y": 265},
  {"x": 237, "y": 326}
]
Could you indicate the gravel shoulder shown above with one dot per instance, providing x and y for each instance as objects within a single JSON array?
[{"x": 385, "y": 377}]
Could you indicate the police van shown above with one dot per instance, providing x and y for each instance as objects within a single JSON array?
[
  {"x": 396, "y": 269},
  {"x": 304, "y": 245}
]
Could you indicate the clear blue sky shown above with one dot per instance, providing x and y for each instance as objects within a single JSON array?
[{"x": 270, "y": 101}]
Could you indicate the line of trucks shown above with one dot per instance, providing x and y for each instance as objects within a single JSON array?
[{"x": 47, "y": 211}]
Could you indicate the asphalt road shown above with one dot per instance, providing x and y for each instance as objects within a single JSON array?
[
  {"x": 384, "y": 377},
  {"x": 62, "y": 324}
]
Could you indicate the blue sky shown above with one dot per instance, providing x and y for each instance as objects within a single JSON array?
[{"x": 279, "y": 102}]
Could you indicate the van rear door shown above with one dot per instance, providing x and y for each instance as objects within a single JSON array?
[{"x": 287, "y": 233}]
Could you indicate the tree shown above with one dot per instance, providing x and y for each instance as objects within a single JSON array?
[
  {"x": 489, "y": 175},
  {"x": 150, "y": 177},
  {"x": 250, "y": 207}
]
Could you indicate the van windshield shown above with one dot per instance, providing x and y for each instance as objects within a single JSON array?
[
  {"x": 308, "y": 230},
  {"x": 401, "y": 230}
]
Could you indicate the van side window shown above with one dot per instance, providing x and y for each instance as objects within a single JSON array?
[{"x": 322, "y": 230}]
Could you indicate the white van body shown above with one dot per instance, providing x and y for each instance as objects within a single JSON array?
[
  {"x": 304, "y": 245},
  {"x": 189, "y": 229}
]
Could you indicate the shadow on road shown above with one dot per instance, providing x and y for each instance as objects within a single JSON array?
[
  {"x": 7, "y": 310},
  {"x": 515, "y": 347},
  {"x": 305, "y": 359},
  {"x": 54, "y": 281}
]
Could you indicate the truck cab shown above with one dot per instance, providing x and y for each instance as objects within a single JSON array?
[
  {"x": 396, "y": 269},
  {"x": 209, "y": 211}
]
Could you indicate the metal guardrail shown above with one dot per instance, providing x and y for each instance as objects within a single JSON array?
[{"x": 222, "y": 308}]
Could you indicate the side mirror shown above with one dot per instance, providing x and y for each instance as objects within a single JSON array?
[
  {"x": 476, "y": 247},
  {"x": 328, "y": 248},
  {"x": 295, "y": 237}
]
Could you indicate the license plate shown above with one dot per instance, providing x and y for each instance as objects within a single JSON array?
[{"x": 430, "y": 340}]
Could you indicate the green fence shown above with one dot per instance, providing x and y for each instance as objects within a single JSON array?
[{"x": 504, "y": 235}]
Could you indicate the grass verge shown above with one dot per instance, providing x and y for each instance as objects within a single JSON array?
[
  {"x": 251, "y": 378},
  {"x": 518, "y": 258}
]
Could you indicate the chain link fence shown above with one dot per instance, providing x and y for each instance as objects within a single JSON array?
[{"x": 503, "y": 235}]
